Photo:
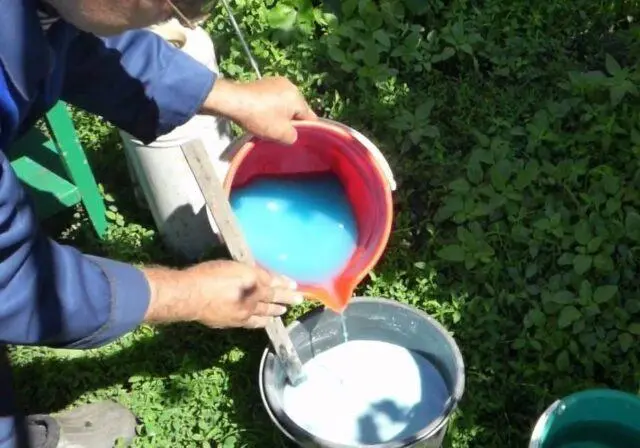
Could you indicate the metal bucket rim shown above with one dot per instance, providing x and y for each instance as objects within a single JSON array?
[{"x": 432, "y": 428}]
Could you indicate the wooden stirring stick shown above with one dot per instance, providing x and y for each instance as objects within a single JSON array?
[{"x": 216, "y": 199}]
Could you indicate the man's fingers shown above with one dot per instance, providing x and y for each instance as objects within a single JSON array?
[
  {"x": 257, "y": 322},
  {"x": 283, "y": 290},
  {"x": 265, "y": 310},
  {"x": 305, "y": 113},
  {"x": 278, "y": 289},
  {"x": 280, "y": 281},
  {"x": 264, "y": 276},
  {"x": 288, "y": 135},
  {"x": 269, "y": 309},
  {"x": 248, "y": 279},
  {"x": 286, "y": 297}
]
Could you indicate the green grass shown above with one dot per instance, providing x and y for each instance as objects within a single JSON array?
[{"x": 512, "y": 129}]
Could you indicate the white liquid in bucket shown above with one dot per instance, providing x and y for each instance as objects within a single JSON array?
[{"x": 366, "y": 392}]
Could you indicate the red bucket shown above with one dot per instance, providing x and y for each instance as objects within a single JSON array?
[{"x": 324, "y": 146}]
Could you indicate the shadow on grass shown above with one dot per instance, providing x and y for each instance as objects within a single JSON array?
[{"x": 176, "y": 352}]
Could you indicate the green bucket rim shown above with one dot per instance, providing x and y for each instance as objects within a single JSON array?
[{"x": 546, "y": 420}]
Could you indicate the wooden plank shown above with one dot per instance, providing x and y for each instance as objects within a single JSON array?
[{"x": 218, "y": 203}]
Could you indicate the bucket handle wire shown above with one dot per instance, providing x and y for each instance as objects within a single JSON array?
[
  {"x": 240, "y": 35},
  {"x": 183, "y": 18}
]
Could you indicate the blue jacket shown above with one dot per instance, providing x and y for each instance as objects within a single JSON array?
[{"x": 52, "y": 294}]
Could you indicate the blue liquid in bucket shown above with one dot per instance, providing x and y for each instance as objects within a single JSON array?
[
  {"x": 366, "y": 392},
  {"x": 301, "y": 227}
]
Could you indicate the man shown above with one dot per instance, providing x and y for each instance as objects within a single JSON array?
[{"x": 94, "y": 54}]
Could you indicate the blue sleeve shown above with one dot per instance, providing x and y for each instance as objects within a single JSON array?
[
  {"x": 51, "y": 294},
  {"x": 137, "y": 81}
]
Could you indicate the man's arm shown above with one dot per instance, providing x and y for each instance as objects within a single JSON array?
[
  {"x": 137, "y": 81},
  {"x": 147, "y": 87},
  {"x": 51, "y": 294}
]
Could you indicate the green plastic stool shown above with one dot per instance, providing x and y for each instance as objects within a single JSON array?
[
  {"x": 595, "y": 418},
  {"x": 56, "y": 171}
]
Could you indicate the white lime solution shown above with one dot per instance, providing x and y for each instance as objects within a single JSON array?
[
  {"x": 366, "y": 392},
  {"x": 345, "y": 334}
]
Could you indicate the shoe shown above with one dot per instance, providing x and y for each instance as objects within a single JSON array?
[{"x": 98, "y": 425}]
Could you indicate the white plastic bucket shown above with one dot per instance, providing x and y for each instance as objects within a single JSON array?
[{"x": 160, "y": 172}]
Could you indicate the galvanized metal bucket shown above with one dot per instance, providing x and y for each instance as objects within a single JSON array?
[{"x": 367, "y": 319}]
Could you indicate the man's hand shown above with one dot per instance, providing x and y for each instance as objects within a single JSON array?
[
  {"x": 218, "y": 294},
  {"x": 265, "y": 108}
]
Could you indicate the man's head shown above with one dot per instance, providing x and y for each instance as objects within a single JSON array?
[{"x": 108, "y": 17}]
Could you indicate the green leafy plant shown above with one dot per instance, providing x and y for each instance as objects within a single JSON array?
[{"x": 512, "y": 130}]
